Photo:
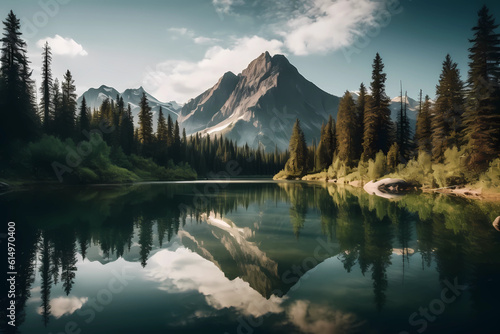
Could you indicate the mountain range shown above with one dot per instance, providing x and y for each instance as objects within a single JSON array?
[
  {"x": 95, "y": 96},
  {"x": 258, "y": 106}
]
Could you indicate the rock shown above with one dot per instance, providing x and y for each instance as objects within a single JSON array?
[
  {"x": 496, "y": 223},
  {"x": 389, "y": 188}
]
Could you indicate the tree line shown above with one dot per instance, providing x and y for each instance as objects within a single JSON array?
[
  {"x": 465, "y": 116},
  {"x": 38, "y": 129}
]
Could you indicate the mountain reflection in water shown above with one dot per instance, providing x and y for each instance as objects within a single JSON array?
[{"x": 255, "y": 256}]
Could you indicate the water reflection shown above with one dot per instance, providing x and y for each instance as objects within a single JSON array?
[{"x": 250, "y": 247}]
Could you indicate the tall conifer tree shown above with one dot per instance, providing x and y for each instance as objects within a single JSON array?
[
  {"x": 482, "y": 118},
  {"x": 46, "y": 87},
  {"x": 377, "y": 122},
  {"x": 346, "y": 129}
]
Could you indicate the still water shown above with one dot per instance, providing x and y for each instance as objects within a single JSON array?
[{"x": 251, "y": 257}]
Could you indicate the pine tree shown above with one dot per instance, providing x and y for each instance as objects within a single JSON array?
[
  {"x": 327, "y": 145},
  {"x": 403, "y": 131},
  {"x": 423, "y": 130},
  {"x": 68, "y": 107},
  {"x": 46, "y": 88},
  {"x": 176, "y": 146},
  {"x": 482, "y": 118},
  {"x": 377, "y": 122},
  {"x": 17, "y": 106},
  {"x": 297, "y": 163},
  {"x": 127, "y": 131},
  {"x": 83, "y": 119},
  {"x": 446, "y": 122},
  {"x": 360, "y": 116},
  {"x": 145, "y": 123},
  {"x": 56, "y": 107},
  {"x": 346, "y": 129},
  {"x": 170, "y": 131},
  {"x": 161, "y": 133}
]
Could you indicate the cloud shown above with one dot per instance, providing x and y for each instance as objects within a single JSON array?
[
  {"x": 183, "y": 270},
  {"x": 312, "y": 318},
  {"x": 181, "y": 80},
  {"x": 327, "y": 25},
  {"x": 225, "y": 6},
  {"x": 176, "y": 32},
  {"x": 64, "y": 305},
  {"x": 63, "y": 46},
  {"x": 206, "y": 40}
]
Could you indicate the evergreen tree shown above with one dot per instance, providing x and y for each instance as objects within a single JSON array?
[
  {"x": 327, "y": 145},
  {"x": 145, "y": 123},
  {"x": 17, "y": 106},
  {"x": 127, "y": 131},
  {"x": 170, "y": 131},
  {"x": 56, "y": 107},
  {"x": 83, "y": 118},
  {"x": 482, "y": 119},
  {"x": 423, "y": 130},
  {"x": 177, "y": 143},
  {"x": 403, "y": 131},
  {"x": 346, "y": 129},
  {"x": 161, "y": 132},
  {"x": 446, "y": 122},
  {"x": 297, "y": 163},
  {"x": 360, "y": 116},
  {"x": 377, "y": 122},
  {"x": 68, "y": 107},
  {"x": 46, "y": 88}
]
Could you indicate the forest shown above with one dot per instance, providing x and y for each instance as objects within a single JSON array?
[
  {"x": 54, "y": 139},
  {"x": 457, "y": 136}
]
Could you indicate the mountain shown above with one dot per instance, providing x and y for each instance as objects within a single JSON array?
[
  {"x": 95, "y": 96},
  {"x": 412, "y": 108},
  {"x": 260, "y": 105}
]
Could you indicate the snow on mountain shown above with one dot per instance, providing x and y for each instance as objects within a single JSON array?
[
  {"x": 260, "y": 105},
  {"x": 95, "y": 96}
]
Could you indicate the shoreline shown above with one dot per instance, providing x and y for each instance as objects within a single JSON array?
[{"x": 463, "y": 191}]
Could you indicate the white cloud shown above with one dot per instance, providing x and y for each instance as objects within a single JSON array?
[
  {"x": 327, "y": 25},
  {"x": 182, "y": 270},
  {"x": 206, "y": 40},
  {"x": 176, "y": 33},
  {"x": 181, "y": 32},
  {"x": 181, "y": 80},
  {"x": 312, "y": 318},
  {"x": 225, "y": 6},
  {"x": 64, "y": 305},
  {"x": 63, "y": 46}
]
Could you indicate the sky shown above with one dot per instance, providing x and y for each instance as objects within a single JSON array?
[{"x": 176, "y": 49}]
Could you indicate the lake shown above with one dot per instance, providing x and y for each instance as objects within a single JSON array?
[{"x": 251, "y": 257}]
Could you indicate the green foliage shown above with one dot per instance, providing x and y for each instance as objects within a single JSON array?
[
  {"x": 446, "y": 120},
  {"x": 297, "y": 163},
  {"x": 491, "y": 178},
  {"x": 482, "y": 117},
  {"x": 377, "y": 122},
  {"x": 346, "y": 129},
  {"x": 377, "y": 168},
  {"x": 41, "y": 154},
  {"x": 423, "y": 130},
  {"x": 393, "y": 157}
]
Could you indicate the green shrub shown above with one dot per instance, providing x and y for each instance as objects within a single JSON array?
[
  {"x": 377, "y": 168},
  {"x": 491, "y": 178}
]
